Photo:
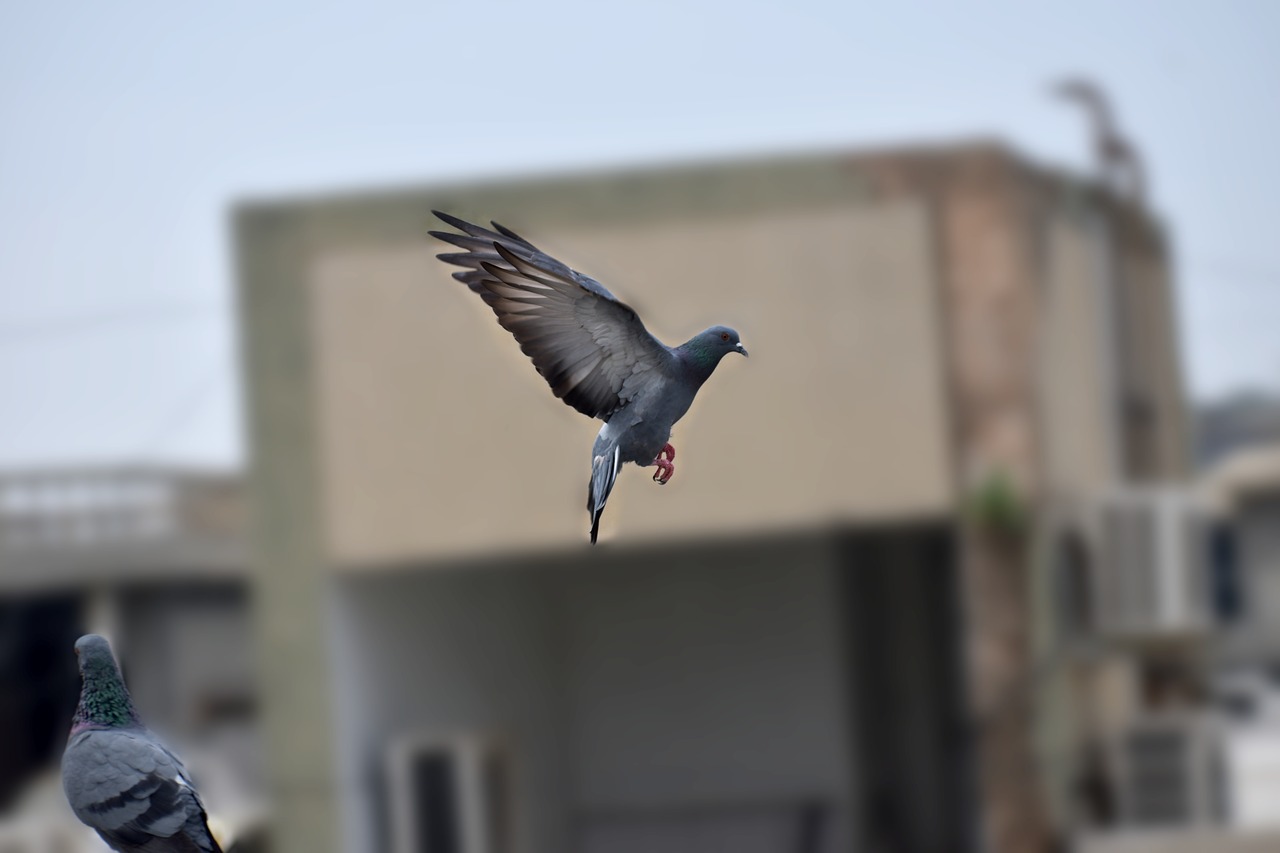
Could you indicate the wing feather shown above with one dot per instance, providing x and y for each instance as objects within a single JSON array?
[
  {"x": 592, "y": 349},
  {"x": 133, "y": 791}
]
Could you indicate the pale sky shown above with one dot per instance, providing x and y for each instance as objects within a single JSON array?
[{"x": 127, "y": 129}]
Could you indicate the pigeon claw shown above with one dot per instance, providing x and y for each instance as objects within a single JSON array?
[{"x": 665, "y": 460}]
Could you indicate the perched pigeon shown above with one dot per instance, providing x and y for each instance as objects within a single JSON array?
[
  {"x": 592, "y": 349},
  {"x": 119, "y": 779}
]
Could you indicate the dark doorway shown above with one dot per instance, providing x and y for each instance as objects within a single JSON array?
[
  {"x": 39, "y": 683},
  {"x": 911, "y": 760}
]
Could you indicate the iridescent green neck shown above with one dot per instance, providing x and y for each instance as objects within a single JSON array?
[
  {"x": 699, "y": 354},
  {"x": 104, "y": 700}
]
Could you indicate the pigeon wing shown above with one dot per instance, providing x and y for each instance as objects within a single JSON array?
[
  {"x": 591, "y": 348},
  {"x": 135, "y": 792}
]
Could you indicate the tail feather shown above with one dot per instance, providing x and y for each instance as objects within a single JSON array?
[{"x": 604, "y": 472}]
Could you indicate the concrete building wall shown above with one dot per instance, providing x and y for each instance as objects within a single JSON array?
[
  {"x": 461, "y": 653},
  {"x": 630, "y": 694},
  {"x": 706, "y": 681},
  {"x": 1153, "y": 405},
  {"x": 1244, "y": 487},
  {"x": 1079, "y": 412},
  {"x": 1257, "y": 526},
  {"x": 192, "y": 663}
]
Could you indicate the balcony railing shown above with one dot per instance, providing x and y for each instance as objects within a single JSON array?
[{"x": 118, "y": 519}]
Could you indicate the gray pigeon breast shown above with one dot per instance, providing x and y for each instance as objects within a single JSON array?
[{"x": 643, "y": 427}]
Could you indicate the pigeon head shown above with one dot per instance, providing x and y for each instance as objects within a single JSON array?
[
  {"x": 94, "y": 651},
  {"x": 104, "y": 700},
  {"x": 709, "y": 346}
]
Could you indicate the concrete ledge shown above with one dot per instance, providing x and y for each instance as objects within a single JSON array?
[{"x": 1183, "y": 841}]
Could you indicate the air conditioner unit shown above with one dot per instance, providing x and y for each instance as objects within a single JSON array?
[
  {"x": 1151, "y": 572},
  {"x": 1167, "y": 772},
  {"x": 447, "y": 794}
]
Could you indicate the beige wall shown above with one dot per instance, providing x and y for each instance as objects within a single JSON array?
[
  {"x": 1156, "y": 367},
  {"x": 438, "y": 437},
  {"x": 1078, "y": 400},
  {"x": 1109, "y": 342}
]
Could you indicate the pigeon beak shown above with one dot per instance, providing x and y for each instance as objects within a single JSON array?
[{"x": 740, "y": 348}]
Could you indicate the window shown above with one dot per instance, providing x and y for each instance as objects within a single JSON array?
[{"x": 448, "y": 795}]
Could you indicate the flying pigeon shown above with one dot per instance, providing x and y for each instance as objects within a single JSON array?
[
  {"x": 591, "y": 348},
  {"x": 120, "y": 780}
]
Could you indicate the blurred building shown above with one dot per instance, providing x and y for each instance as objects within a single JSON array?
[
  {"x": 1237, "y": 422},
  {"x": 828, "y": 632},
  {"x": 155, "y": 559},
  {"x": 1244, "y": 488},
  {"x": 1192, "y": 744}
]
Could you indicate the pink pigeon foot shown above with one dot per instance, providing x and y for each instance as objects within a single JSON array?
[{"x": 666, "y": 466}]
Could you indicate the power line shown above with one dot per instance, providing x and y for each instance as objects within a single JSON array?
[
  {"x": 1236, "y": 271},
  {"x": 50, "y": 329},
  {"x": 180, "y": 415}
]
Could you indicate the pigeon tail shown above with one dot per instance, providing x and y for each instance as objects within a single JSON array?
[{"x": 605, "y": 465}]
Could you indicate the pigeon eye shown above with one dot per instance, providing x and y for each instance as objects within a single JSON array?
[{"x": 724, "y": 336}]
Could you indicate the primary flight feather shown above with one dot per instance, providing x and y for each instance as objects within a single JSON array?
[{"x": 592, "y": 349}]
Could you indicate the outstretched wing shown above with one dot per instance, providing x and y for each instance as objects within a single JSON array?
[
  {"x": 591, "y": 348},
  {"x": 136, "y": 794}
]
